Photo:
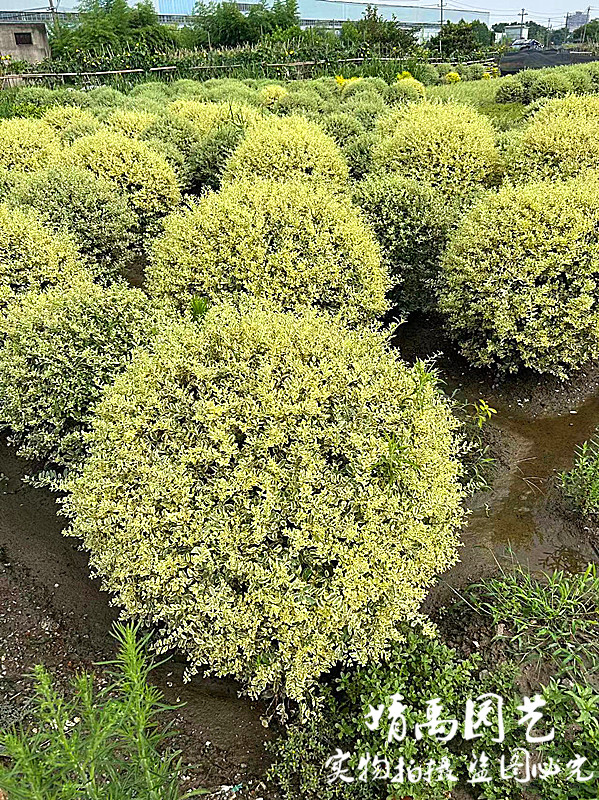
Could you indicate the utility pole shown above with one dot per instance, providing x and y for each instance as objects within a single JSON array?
[
  {"x": 566, "y": 34},
  {"x": 586, "y": 22},
  {"x": 53, "y": 12},
  {"x": 441, "y": 29},
  {"x": 522, "y": 13}
]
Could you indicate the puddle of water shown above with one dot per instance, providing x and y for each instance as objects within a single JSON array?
[{"x": 517, "y": 513}]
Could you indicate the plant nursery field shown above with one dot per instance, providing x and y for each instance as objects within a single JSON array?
[{"x": 299, "y": 467}]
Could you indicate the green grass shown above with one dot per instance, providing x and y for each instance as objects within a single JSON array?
[
  {"x": 551, "y": 619},
  {"x": 97, "y": 744}
]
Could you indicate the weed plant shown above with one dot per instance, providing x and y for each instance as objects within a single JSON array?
[
  {"x": 98, "y": 744},
  {"x": 581, "y": 484},
  {"x": 552, "y": 619}
]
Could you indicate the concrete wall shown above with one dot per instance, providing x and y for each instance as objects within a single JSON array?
[{"x": 34, "y": 52}]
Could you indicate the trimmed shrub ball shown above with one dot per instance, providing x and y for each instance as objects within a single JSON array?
[
  {"x": 290, "y": 244},
  {"x": 561, "y": 140},
  {"x": 73, "y": 201},
  {"x": 27, "y": 144},
  {"x": 288, "y": 147},
  {"x": 520, "y": 284},
  {"x": 411, "y": 222},
  {"x": 59, "y": 349},
  {"x": 138, "y": 172},
  {"x": 275, "y": 493},
  {"x": 32, "y": 255},
  {"x": 71, "y": 122},
  {"x": 449, "y": 145}
]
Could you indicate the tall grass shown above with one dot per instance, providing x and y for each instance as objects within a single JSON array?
[{"x": 96, "y": 744}]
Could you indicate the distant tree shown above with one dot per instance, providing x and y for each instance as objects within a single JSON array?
[
  {"x": 373, "y": 28},
  {"x": 458, "y": 40},
  {"x": 483, "y": 35},
  {"x": 591, "y": 34}
]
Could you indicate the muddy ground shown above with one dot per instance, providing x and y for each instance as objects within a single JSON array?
[{"x": 51, "y": 612}]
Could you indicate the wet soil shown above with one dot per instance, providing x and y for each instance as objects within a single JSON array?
[{"x": 52, "y": 612}]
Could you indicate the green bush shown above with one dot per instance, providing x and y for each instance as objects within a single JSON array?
[
  {"x": 561, "y": 140},
  {"x": 291, "y": 244},
  {"x": 105, "y": 97},
  {"x": 207, "y": 116},
  {"x": 31, "y": 255},
  {"x": 285, "y": 148},
  {"x": 367, "y": 85},
  {"x": 70, "y": 122},
  {"x": 130, "y": 122},
  {"x": 208, "y": 161},
  {"x": 300, "y": 100},
  {"x": 275, "y": 492},
  {"x": 140, "y": 174},
  {"x": 106, "y": 739},
  {"x": 59, "y": 349},
  {"x": 75, "y": 203},
  {"x": 358, "y": 154},
  {"x": 342, "y": 127},
  {"x": 366, "y": 107},
  {"x": 449, "y": 145},
  {"x": 27, "y": 145},
  {"x": 404, "y": 91},
  {"x": 411, "y": 223},
  {"x": 419, "y": 669},
  {"x": 519, "y": 284},
  {"x": 510, "y": 90}
]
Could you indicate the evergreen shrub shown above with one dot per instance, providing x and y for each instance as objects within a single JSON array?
[
  {"x": 288, "y": 147},
  {"x": 139, "y": 173},
  {"x": 75, "y": 203},
  {"x": 275, "y": 493},
  {"x": 449, "y": 145},
  {"x": 519, "y": 278},
  {"x": 291, "y": 244},
  {"x": 59, "y": 349}
]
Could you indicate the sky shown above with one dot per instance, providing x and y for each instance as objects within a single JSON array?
[{"x": 538, "y": 10}]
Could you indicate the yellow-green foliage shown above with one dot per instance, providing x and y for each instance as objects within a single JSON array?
[
  {"x": 404, "y": 90},
  {"x": 70, "y": 122},
  {"x": 59, "y": 348},
  {"x": 32, "y": 256},
  {"x": 450, "y": 145},
  {"x": 207, "y": 116},
  {"x": 561, "y": 140},
  {"x": 271, "y": 93},
  {"x": 288, "y": 147},
  {"x": 292, "y": 244},
  {"x": 411, "y": 222},
  {"x": 275, "y": 492},
  {"x": 130, "y": 122},
  {"x": 73, "y": 201},
  {"x": 520, "y": 284},
  {"x": 141, "y": 174},
  {"x": 27, "y": 144}
]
